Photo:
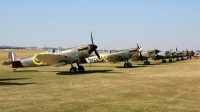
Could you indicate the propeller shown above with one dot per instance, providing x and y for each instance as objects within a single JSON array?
[
  {"x": 172, "y": 54},
  {"x": 93, "y": 47},
  {"x": 176, "y": 52},
  {"x": 140, "y": 50},
  {"x": 187, "y": 53},
  {"x": 92, "y": 38},
  {"x": 157, "y": 51}
]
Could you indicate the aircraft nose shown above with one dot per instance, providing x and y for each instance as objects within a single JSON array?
[
  {"x": 140, "y": 50},
  {"x": 93, "y": 47}
]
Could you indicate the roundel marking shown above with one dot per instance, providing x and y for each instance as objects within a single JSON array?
[
  {"x": 35, "y": 60},
  {"x": 100, "y": 59}
]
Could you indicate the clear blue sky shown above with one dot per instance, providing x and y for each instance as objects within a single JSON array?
[{"x": 116, "y": 24}]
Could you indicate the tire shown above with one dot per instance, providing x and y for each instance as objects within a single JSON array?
[
  {"x": 126, "y": 65},
  {"x": 81, "y": 69},
  {"x": 148, "y": 63},
  {"x": 129, "y": 64},
  {"x": 72, "y": 70}
]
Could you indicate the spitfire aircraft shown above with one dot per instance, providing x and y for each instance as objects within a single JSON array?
[
  {"x": 145, "y": 56},
  {"x": 188, "y": 54},
  {"x": 164, "y": 55},
  {"x": 118, "y": 56},
  {"x": 70, "y": 56},
  {"x": 179, "y": 55}
]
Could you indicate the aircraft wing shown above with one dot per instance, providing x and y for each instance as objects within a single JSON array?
[{"x": 52, "y": 59}]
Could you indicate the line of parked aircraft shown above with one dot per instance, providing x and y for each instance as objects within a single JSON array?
[{"x": 82, "y": 54}]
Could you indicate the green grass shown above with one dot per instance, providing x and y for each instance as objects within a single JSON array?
[{"x": 103, "y": 87}]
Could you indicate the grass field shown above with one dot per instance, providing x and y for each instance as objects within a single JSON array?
[{"x": 103, "y": 87}]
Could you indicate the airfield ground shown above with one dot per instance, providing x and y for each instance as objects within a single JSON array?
[{"x": 103, "y": 87}]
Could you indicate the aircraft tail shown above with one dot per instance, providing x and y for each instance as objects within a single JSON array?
[
  {"x": 12, "y": 56},
  {"x": 13, "y": 60}
]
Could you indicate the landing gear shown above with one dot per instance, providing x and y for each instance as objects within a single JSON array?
[
  {"x": 164, "y": 61},
  {"x": 74, "y": 69},
  {"x": 170, "y": 60},
  {"x": 182, "y": 58},
  {"x": 146, "y": 63},
  {"x": 126, "y": 65},
  {"x": 177, "y": 59}
]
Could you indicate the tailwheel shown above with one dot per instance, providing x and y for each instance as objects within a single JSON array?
[
  {"x": 81, "y": 69},
  {"x": 126, "y": 65},
  {"x": 73, "y": 70},
  {"x": 14, "y": 69}
]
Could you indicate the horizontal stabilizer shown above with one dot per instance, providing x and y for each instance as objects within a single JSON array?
[{"x": 7, "y": 63}]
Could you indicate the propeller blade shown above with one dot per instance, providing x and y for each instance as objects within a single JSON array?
[
  {"x": 97, "y": 54},
  {"x": 138, "y": 46},
  {"x": 141, "y": 57},
  {"x": 92, "y": 38}
]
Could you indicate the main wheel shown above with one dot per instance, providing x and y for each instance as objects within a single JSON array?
[
  {"x": 126, "y": 65},
  {"x": 73, "y": 70},
  {"x": 170, "y": 60},
  {"x": 163, "y": 61},
  {"x": 148, "y": 63},
  {"x": 129, "y": 64},
  {"x": 81, "y": 69}
]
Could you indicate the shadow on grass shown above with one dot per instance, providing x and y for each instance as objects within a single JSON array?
[
  {"x": 3, "y": 83},
  {"x": 27, "y": 71},
  {"x": 133, "y": 66},
  {"x": 86, "y": 72},
  {"x": 159, "y": 63},
  {"x": 7, "y": 79},
  {"x": 13, "y": 83}
]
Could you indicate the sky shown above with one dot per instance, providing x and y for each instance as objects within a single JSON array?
[{"x": 115, "y": 24}]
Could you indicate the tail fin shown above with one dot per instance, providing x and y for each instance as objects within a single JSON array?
[
  {"x": 13, "y": 60},
  {"x": 12, "y": 56}
]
